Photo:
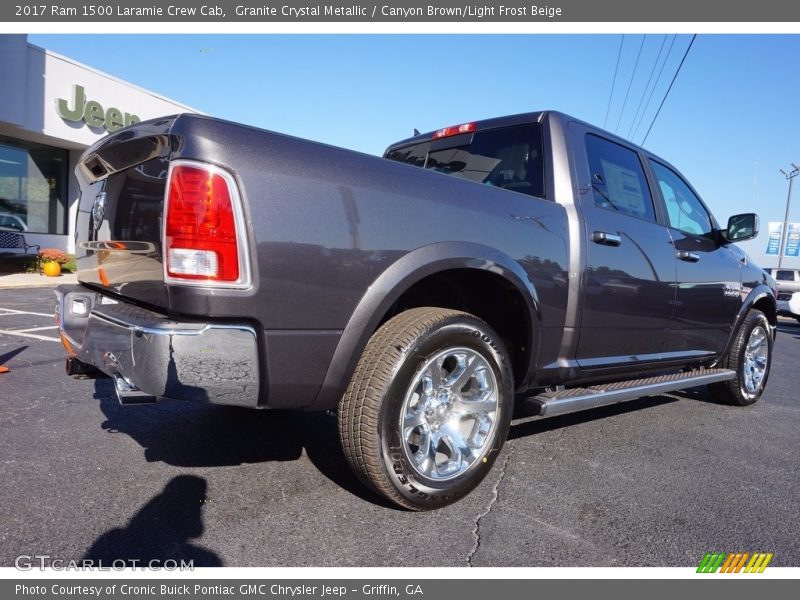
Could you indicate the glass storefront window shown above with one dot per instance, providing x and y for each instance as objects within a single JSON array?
[{"x": 33, "y": 187}]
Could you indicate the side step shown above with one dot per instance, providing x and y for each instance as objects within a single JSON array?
[
  {"x": 127, "y": 393},
  {"x": 573, "y": 399}
]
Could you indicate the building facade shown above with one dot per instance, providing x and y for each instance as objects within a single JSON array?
[{"x": 51, "y": 109}]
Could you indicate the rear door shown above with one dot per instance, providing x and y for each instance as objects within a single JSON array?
[
  {"x": 630, "y": 262},
  {"x": 709, "y": 280}
]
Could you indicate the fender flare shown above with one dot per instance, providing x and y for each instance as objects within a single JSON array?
[
  {"x": 756, "y": 294},
  {"x": 399, "y": 277}
]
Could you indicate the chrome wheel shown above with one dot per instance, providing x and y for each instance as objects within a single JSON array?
[
  {"x": 428, "y": 408},
  {"x": 449, "y": 413},
  {"x": 755, "y": 359}
]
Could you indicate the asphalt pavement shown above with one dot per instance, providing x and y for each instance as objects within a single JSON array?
[{"x": 654, "y": 482}]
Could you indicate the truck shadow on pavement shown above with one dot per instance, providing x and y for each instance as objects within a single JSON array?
[
  {"x": 159, "y": 534},
  {"x": 788, "y": 328},
  {"x": 186, "y": 434}
]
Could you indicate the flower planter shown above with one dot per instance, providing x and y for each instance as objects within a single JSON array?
[
  {"x": 51, "y": 269},
  {"x": 51, "y": 260}
]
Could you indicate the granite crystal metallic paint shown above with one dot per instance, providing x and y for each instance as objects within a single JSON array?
[{"x": 335, "y": 240}]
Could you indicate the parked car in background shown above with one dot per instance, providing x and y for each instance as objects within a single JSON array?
[
  {"x": 789, "y": 305},
  {"x": 11, "y": 222},
  {"x": 787, "y": 283},
  {"x": 787, "y": 280}
]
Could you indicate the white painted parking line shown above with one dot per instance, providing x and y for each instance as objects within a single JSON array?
[
  {"x": 28, "y": 332},
  {"x": 35, "y": 336},
  {"x": 11, "y": 311}
]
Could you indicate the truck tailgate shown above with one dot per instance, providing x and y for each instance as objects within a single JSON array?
[{"x": 119, "y": 225}]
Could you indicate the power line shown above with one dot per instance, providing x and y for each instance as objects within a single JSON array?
[
  {"x": 647, "y": 85},
  {"x": 614, "y": 82},
  {"x": 655, "y": 86},
  {"x": 685, "y": 54},
  {"x": 635, "y": 66}
]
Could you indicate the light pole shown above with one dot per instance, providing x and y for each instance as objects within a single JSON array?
[{"x": 790, "y": 176}]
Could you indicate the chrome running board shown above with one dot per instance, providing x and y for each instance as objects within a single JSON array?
[{"x": 574, "y": 399}]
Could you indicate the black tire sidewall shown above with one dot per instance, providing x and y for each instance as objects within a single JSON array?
[{"x": 458, "y": 332}]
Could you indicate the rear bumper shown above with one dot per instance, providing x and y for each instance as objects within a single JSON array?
[{"x": 151, "y": 356}]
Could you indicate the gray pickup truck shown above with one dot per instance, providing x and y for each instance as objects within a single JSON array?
[{"x": 531, "y": 261}]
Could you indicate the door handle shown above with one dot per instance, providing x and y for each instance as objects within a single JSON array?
[
  {"x": 606, "y": 239},
  {"x": 687, "y": 256}
]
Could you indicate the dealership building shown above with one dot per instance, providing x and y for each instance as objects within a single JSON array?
[{"x": 52, "y": 109}]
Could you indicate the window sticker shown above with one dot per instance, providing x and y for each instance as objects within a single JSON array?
[{"x": 624, "y": 187}]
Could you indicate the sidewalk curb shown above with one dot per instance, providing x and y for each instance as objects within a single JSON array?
[{"x": 34, "y": 280}]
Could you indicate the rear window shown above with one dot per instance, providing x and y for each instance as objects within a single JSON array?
[{"x": 506, "y": 157}]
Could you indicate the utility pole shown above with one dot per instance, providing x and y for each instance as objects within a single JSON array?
[{"x": 790, "y": 176}]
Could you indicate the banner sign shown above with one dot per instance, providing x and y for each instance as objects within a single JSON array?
[
  {"x": 792, "y": 240},
  {"x": 774, "y": 242}
]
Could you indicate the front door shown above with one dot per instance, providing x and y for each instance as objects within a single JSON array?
[{"x": 709, "y": 280}]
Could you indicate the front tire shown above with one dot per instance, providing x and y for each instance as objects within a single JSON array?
[
  {"x": 428, "y": 407},
  {"x": 751, "y": 357}
]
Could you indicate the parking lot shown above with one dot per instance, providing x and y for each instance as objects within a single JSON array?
[{"x": 655, "y": 482}]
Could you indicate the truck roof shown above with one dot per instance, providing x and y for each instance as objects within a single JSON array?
[{"x": 511, "y": 120}]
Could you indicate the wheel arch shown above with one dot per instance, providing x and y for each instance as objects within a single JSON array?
[
  {"x": 427, "y": 264},
  {"x": 761, "y": 298}
]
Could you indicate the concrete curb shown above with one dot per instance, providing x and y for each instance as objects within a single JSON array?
[{"x": 34, "y": 280}]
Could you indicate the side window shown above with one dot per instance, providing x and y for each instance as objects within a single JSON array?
[
  {"x": 617, "y": 178},
  {"x": 785, "y": 276},
  {"x": 685, "y": 212}
]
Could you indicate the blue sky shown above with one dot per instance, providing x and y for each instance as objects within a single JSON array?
[{"x": 730, "y": 122}]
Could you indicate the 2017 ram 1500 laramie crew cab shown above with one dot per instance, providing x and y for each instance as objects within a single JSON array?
[{"x": 531, "y": 257}]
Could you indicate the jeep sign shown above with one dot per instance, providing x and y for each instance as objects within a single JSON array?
[{"x": 92, "y": 112}]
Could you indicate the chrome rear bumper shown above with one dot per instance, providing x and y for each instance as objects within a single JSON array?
[{"x": 150, "y": 356}]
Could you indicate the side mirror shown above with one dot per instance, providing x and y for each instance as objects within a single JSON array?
[{"x": 741, "y": 227}]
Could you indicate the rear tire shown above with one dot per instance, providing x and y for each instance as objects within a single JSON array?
[
  {"x": 751, "y": 357},
  {"x": 428, "y": 407}
]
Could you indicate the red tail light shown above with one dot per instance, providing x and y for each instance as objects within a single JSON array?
[
  {"x": 454, "y": 130},
  {"x": 200, "y": 232}
]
